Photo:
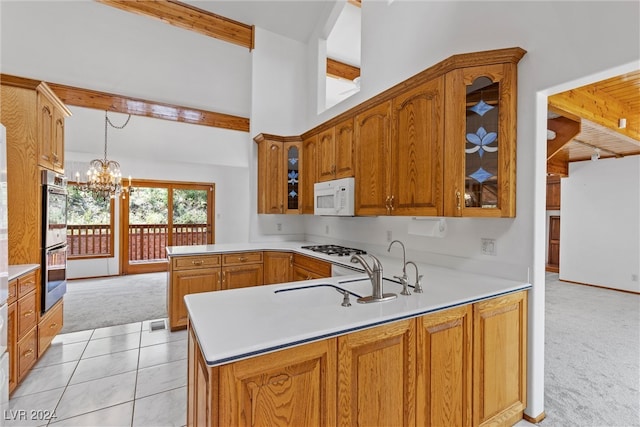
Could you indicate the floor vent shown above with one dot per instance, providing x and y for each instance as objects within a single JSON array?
[{"x": 157, "y": 325}]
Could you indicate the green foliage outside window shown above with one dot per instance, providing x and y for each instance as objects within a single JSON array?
[{"x": 84, "y": 209}]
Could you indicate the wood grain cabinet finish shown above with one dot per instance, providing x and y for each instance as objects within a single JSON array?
[
  {"x": 12, "y": 345},
  {"x": 49, "y": 326},
  {"x": 27, "y": 314},
  {"x": 27, "y": 353},
  {"x": 309, "y": 174},
  {"x": 314, "y": 268},
  {"x": 500, "y": 360},
  {"x": 376, "y": 376},
  {"x": 27, "y": 283},
  {"x": 273, "y": 170},
  {"x": 444, "y": 368},
  {"x": 277, "y": 267},
  {"x": 190, "y": 275},
  {"x": 51, "y": 116},
  {"x": 335, "y": 152},
  {"x": 242, "y": 269}
]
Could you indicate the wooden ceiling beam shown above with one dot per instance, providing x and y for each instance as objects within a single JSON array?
[
  {"x": 340, "y": 70},
  {"x": 599, "y": 107},
  {"x": 140, "y": 107},
  {"x": 565, "y": 129},
  {"x": 189, "y": 18}
]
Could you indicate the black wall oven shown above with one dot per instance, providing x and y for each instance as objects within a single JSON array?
[{"x": 54, "y": 238}]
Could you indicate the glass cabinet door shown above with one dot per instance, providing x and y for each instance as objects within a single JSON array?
[
  {"x": 480, "y": 146},
  {"x": 292, "y": 178}
]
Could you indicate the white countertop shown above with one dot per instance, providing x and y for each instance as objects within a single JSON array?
[
  {"x": 21, "y": 269},
  {"x": 241, "y": 323}
]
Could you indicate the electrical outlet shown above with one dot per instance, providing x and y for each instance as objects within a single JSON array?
[
  {"x": 389, "y": 236},
  {"x": 634, "y": 277},
  {"x": 326, "y": 229},
  {"x": 489, "y": 246},
  {"x": 279, "y": 226}
]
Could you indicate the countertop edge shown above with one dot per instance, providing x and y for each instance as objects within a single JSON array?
[{"x": 18, "y": 270}]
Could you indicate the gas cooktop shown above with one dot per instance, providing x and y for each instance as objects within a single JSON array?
[{"x": 335, "y": 250}]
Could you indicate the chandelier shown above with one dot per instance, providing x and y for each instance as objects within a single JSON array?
[{"x": 104, "y": 178}]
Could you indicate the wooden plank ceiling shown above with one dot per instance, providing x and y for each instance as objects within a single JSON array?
[{"x": 597, "y": 109}]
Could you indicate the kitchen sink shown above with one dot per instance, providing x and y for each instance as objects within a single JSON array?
[{"x": 327, "y": 293}]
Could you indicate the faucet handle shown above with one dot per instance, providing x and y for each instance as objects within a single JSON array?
[
  {"x": 405, "y": 285},
  {"x": 418, "y": 287}
]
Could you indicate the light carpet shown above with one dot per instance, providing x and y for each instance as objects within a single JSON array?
[
  {"x": 592, "y": 356},
  {"x": 96, "y": 303}
]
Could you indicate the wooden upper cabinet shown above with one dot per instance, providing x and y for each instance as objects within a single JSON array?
[
  {"x": 309, "y": 173},
  {"x": 372, "y": 150},
  {"x": 480, "y": 145},
  {"x": 335, "y": 152},
  {"x": 51, "y": 115},
  {"x": 279, "y": 180},
  {"x": 417, "y": 149},
  {"x": 292, "y": 176}
]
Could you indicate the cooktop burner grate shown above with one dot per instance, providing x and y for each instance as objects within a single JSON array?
[{"x": 335, "y": 250}]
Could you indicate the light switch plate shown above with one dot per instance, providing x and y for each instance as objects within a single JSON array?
[{"x": 489, "y": 246}]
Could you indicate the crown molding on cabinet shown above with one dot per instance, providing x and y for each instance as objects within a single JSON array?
[
  {"x": 139, "y": 107},
  {"x": 190, "y": 18}
]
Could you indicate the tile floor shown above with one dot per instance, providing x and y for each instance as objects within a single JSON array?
[{"x": 122, "y": 375}]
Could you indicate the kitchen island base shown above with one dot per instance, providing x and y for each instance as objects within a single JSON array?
[{"x": 463, "y": 366}]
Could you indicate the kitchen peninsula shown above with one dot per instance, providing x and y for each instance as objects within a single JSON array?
[{"x": 292, "y": 353}]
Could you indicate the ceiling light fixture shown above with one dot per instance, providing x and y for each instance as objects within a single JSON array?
[{"x": 104, "y": 178}]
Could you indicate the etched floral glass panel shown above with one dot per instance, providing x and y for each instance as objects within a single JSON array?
[
  {"x": 293, "y": 165},
  {"x": 482, "y": 143}
]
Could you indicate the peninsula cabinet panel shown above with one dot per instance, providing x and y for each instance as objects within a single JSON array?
[
  {"x": 376, "y": 376},
  {"x": 500, "y": 360},
  {"x": 293, "y": 387},
  {"x": 372, "y": 148},
  {"x": 444, "y": 368},
  {"x": 318, "y": 267},
  {"x": 416, "y": 150},
  {"x": 185, "y": 282},
  {"x": 202, "y": 388},
  {"x": 277, "y": 267},
  {"x": 309, "y": 173},
  {"x": 480, "y": 153}
]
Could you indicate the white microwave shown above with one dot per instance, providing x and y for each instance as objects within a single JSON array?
[{"x": 334, "y": 197}]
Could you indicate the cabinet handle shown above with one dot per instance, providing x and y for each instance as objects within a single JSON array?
[
  {"x": 291, "y": 260},
  {"x": 386, "y": 203},
  {"x": 27, "y": 353},
  {"x": 309, "y": 277},
  {"x": 224, "y": 276},
  {"x": 200, "y": 262},
  {"x": 458, "y": 201},
  {"x": 28, "y": 313},
  {"x": 242, "y": 259},
  {"x": 391, "y": 203},
  {"x": 53, "y": 325}
]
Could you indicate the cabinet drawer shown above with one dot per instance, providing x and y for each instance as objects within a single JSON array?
[
  {"x": 49, "y": 326},
  {"x": 241, "y": 258},
  {"x": 13, "y": 291},
  {"x": 27, "y": 353},
  {"x": 189, "y": 262},
  {"x": 27, "y": 316},
  {"x": 26, "y": 283},
  {"x": 321, "y": 268}
]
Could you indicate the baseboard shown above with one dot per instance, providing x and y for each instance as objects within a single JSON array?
[
  {"x": 600, "y": 286},
  {"x": 535, "y": 420},
  {"x": 552, "y": 268}
]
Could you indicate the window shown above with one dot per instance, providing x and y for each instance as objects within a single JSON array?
[{"x": 89, "y": 225}]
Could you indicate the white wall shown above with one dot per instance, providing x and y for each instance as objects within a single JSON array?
[{"x": 600, "y": 223}]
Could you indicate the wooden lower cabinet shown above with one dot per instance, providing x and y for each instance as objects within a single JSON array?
[
  {"x": 464, "y": 366},
  {"x": 12, "y": 345},
  {"x": 376, "y": 376},
  {"x": 277, "y": 267},
  {"x": 444, "y": 368},
  {"x": 500, "y": 360},
  {"x": 185, "y": 282},
  {"x": 242, "y": 276},
  {"x": 49, "y": 326},
  {"x": 27, "y": 353}
]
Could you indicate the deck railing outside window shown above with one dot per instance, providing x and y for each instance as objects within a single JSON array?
[{"x": 147, "y": 242}]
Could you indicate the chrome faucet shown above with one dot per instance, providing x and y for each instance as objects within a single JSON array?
[
  {"x": 417, "y": 288},
  {"x": 404, "y": 258},
  {"x": 375, "y": 275}
]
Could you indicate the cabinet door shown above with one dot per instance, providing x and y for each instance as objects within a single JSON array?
[
  {"x": 271, "y": 194},
  {"x": 480, "y": 145},
  {"x": 300, "y": 273},
  {"x": 186, "y": 282},
  {"x": 416, "y": 157},
  {"x": 277, "y": 267},
  {"x": 500, "y": 360},
  {"x": 12, "y": 345},
  {"x": 309, "y": 172},
  {"x": 242, "y": 276},
  {"x": 372, "y": 138},
  {"x": 444, "y": 366},
  {"x": 45, "y": 132},
  {"x": 376, "y": 376},
  {"x": 201, "y": 388},
  {"x": 326, "y": 155},
  {"x": 344, "y": 149},
  {"x": 292, "y": 387},
  {"x": 57, "y": 148},
  {"x": 27, "y": 353},
  {"x": 291, "y": 178}
]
